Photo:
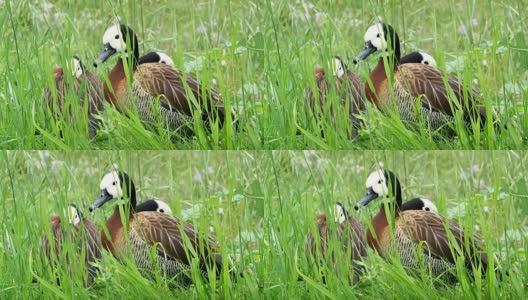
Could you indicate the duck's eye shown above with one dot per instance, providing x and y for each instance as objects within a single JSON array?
[
  {"x": 114, "y": 183},
  {"x": 378, "y": 35},
  {"x": 161, "y": 210},
  {"x": 117, "y": 37},
  {"x": 426, "y": 62},
  {"x": 427, "y": 209},
  {"x": 163, "y": 62},
  {"x": 380, "y": 181}
]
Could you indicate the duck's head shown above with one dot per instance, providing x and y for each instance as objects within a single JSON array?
[
  {"x": 420, "y": 204},
  {"x": 74, "y": 215},
  {"x": 115, "y": 185},
  {"x": 380, "y": 37},
  {"x": 381, "y": 183},
  {"x": 418, "y": 57},
  {"x": 339, "y": 67},
  {"x": 78, "y": 68},
  {"x": 427, "y": 59},
  {"x": 154, "y": 205},
  {"x": 156, "y": 57},
  {"x": 119, "y": 38},
  {"x": 341, "y": 215}
]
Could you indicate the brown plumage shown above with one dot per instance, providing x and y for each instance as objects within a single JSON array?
[
  {"x": 348, "y": 87},
  {"x": 349, "y": 233},
  {"x": 86, "y": 88},
  {"x": 153, "y": 83},
  {"x": 176, "y": 242},
  {"x": 418, "y": 230},
  {"x": 83, "y": 233},
  {"x": 412, "y": 81}
]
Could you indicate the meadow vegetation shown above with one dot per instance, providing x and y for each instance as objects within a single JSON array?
[
  {"x": 260, "y": 206},
  {"x": 261, "y": 55}
]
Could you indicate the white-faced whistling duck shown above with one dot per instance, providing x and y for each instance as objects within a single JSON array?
[
  {"x": 156, "y": 57},
  {"x": 418, "y": 57},
  {"x": 154, "y": 205},
  {"x": 83, "y": 233},
  {"x": 85, "y": 85},
  {"x": 417, "y": 230},
  {"x": 419, "y": 204},
  {"x": 412, "y": 81},
  {"x": 155, "y": 84},
  {"x": 152, "y": 229},
  {"x": 350, "y": 233},
  {"x": 349, "y": 89}
]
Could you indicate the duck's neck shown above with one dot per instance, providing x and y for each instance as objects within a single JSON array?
[
  {"x": 132, "y": 60},
  {"x": 394, "y": 206},
  {"x": 393, "y": 61},
  {"x": 129, "y": 193}
]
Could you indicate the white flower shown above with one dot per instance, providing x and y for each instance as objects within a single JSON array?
[
  {"x": 46, "y": 6},
  {"x": 308, "y": 154},
  {"x": 201, "y": 29},
  {"x": 318, "y": 18},
  {"x": 197, "y": 177},
  {"x": 209, "y": 170},
  {"x": 462, "y": 29}
]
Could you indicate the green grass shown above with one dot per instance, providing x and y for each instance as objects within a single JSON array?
[
  {"x": 260, "y": 206},
  {"x": 262, "y": 55}
]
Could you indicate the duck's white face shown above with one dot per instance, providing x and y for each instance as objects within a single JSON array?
[
  {"x": 428, "y": 59},
  {"x": 428, "y": 205},
  {"x": 111, "y": 184},
  {"x": 77, "y": 68},
  {"x": 340, "y": 213},
  {"x": 165, "y": 59},
  {"x": 376, "y": 37},
  {"x": 114, "y": 38},
  {"x": 74, "y": 217},
  {"x": 163, "y": 207},
  {"x": 338, "y": 68},
  {"x": 377, "y": 182}
]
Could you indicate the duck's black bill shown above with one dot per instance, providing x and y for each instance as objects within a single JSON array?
[
  {"x": 103, "y": 198},
  {"x": 369, "y": 196},
  {"x": 366, "y": 52},
  {"x": 107, "y": 52}
]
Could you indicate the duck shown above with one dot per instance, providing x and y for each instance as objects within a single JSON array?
[
  {"x": 157, "y": 88},
  {"x": 420, "y": 204},
  {"x": 417, "y": 232},
  {"x": 349, "y": 232},
  {"x": 416, "y": 80},
  {"x": 156, "y": 57},
  {"x": 152, "y": 232},
  {"x": 347, "y": 85},
  {"x": 84, "y": 233},
  {"x": 85, "y": 85},
  {"x": 154, "y": 205},
  {"x": 418, "y": 57}
]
